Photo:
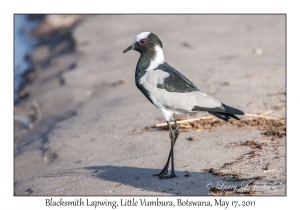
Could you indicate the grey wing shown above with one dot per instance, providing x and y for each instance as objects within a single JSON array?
[
  {"x": 168, "y": 88},
  {"x": 171, "y": 89}
]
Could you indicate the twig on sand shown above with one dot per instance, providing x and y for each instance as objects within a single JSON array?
[
  {"x": 263, "y": 115},
  {"x": 266, "y": 113}
]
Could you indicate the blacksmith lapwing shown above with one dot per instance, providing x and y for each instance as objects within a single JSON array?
[{"x": 170, "y": 91}]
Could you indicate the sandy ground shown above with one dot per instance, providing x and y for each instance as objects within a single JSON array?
[{"x": 90, "y": 130}]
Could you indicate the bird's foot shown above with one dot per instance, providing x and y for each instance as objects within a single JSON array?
[
  {"x": 172, "y": 175},
  {"x": 163, "y": 172}
]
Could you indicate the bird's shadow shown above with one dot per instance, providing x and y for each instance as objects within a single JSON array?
[
  {"x": 186, "y": 183},
  {"x": 121, "y": 177}
]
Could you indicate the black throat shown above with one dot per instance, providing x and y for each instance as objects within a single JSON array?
[{"x": 143, "y": 64}]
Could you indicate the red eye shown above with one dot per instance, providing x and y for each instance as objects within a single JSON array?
[{"x": 143, "y": 41}]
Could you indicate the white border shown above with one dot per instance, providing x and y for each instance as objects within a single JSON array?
[{"x": 8, "y": 201}]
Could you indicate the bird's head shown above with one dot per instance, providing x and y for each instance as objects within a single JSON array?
[{"x": 145, "y": 42}]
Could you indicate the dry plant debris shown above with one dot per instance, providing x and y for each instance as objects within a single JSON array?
[
  {"x": 271, "y": 126},
  {"x": 225, "y": 192},
  {"x": 254, "y": 145},
  {"x": 235, "y": 176}
]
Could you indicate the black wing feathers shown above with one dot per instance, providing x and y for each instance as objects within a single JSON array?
[
  {"x": 175, "y": 82},
  {"x": 227, "y": 113},
  {"x": 223, "y": 112}
]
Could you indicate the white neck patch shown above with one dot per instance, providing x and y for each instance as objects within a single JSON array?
[
  {"x": 159, "y": 58},
  {"x": 140, "y": 36}
]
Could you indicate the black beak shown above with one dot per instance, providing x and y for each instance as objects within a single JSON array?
[{"x": 131, "y": 47}]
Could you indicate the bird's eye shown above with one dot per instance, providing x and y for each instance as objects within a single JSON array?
[{"x": 143, "y": 41}]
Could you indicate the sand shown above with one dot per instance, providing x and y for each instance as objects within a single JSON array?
[{"x": 90, "y": 131}]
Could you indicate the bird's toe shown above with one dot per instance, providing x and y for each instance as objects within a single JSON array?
[
  {"x": 172, "y": 175},
  {"x": 162, "y": 173}
]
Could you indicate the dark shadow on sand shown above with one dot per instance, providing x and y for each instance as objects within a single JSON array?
[
  {"x": 120, "y": 177},
  {"x": 191, "y": 183}
]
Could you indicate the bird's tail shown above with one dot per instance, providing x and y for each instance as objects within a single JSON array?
[
  {"x": 223, "y": 112},
  {"x": 228, "y": 113}
]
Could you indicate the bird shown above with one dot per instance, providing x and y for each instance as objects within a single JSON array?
[{"x": 170, "y": 91}]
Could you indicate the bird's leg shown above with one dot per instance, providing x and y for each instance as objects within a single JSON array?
[
  {"x": 164, "y": 171},
  {"x": 176, "y": 130},
  {"x": 173, "y": 136},
  {"x": 173, "y": 139}
]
